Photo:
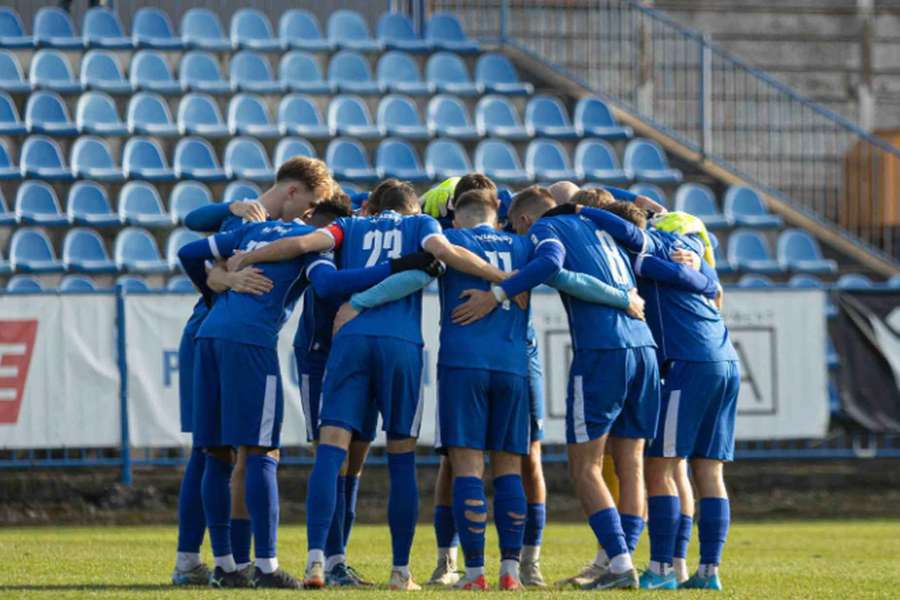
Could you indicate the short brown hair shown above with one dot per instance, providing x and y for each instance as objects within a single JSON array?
[
  {"x": 339, "y": 196},
  {"x": 332, "y": 208},
  {"x": 593, "y": 197},
  {"x": 481, "y": 203},
  {"x": 393, "y": 194},
  {"x": 530, "y": 200},
  {"x": 311, "y": 172},
  {"x": 628, "y": 211},
  {"x": 472, "y": 181}
]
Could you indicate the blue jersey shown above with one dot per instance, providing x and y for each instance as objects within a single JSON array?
[
  {"x": 686, "y": 325},
  {"x": 316, "y": 322},
  {"x": 498, "y": 342},
  {"x": 369, "y": 241},
  {"x": 251, "y": 319},
  {"x": 594, "y": 252}
]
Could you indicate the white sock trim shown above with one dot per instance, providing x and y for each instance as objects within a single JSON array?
[
  {"x": 315, "y": 556},
  {"x": 509, "y": 567},
  {"x": 267, "y": 565},
  {"x": 474, "y": 572},
  {"x": 226, "y": 562},
  {"x": 601, "y": 560},
  {"x": 334, "y": 560},
  {"x": 531, "y": 553},
  {"x": 621, "y": 563},
  {"x": 185, "y": 561},
  {"x": 404, "y": 570}
]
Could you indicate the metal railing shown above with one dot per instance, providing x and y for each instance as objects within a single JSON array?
[{"x": 711, "y": 102}]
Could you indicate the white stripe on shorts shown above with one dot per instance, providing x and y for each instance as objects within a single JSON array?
[
  {"x": 304, "y": 402},
  {"x": 579, "y": 424},
  {"x": 670, "y": 426},
  {"x": 437, "y": 419},
  {"x": 417, "y": 418},
  {"x": 267, "y": 422}
]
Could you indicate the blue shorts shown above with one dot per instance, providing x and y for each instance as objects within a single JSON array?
[
  {"x": 614, "y": 392},
  {"x": 186, "y": 380},
  {"x": 238, "y": 400},
  {"x": 367, "y": 375},
  {"x": 699, "y": 400},
  {"x": 536, "y": 389},
  {"x": 481, "y": 409}
]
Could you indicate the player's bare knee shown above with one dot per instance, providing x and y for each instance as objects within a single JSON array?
[
  {"x": 401, "y": 445},
  {"x": 466, "y": 462},
  {"x": 335, "y": 436},
  {"x": 506, "y": 463}
]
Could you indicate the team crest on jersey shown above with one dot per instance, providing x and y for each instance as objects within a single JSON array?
[{"x": 16, "y": 344}]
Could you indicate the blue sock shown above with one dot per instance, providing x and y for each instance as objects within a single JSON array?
[
  {"x": 262, "y": 502},
  {"x": 217, "y": 504},
  {"x": 444, "y": 527},
  {"x": 683, "y": 537},
  {"x": 241, "y": 537},
  {"x": 469, "y": 498},
  {"x": 715, "y": 516},
  {"x": 608, "y": 529},
  {"x": 320, "y": 492},
  {"x": 632, "y": 526},
  {"x": 663, "y": 517},
  {"x": 534, "y": 525},
  {"x": 191, "y": 520},
  {"x": 510, "y": 513},
  {"x": 334, "y": 545},
  {"x": 350, "y": 494},
  {"x": 403, "y": 505}
]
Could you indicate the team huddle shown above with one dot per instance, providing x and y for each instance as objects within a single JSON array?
[{"x": 652, "y": 388}]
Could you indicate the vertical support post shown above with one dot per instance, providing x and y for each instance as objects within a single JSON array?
[
  {"x": 125, "y": 442},
  {"x": 705, "y": 96},
  {"x": 865, "y": 10},
  {"x": 504, "y": 21},
  {"x": 644, "y": 96}
]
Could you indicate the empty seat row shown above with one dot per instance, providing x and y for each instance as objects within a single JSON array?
[
  {"x": 249, "y": 28},
  {"x": 75, "y": 284},
  {"x": 743, "y": 207},
  {"x": 348, "y": 71},
  {"x": 847, "y": 281},
  {"x": 796, "y": 249}
]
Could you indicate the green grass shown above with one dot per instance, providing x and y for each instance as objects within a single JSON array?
[{"x": 822, "y": 559}]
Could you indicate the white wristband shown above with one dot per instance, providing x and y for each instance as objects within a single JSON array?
[{"x": 499, "y": 293}]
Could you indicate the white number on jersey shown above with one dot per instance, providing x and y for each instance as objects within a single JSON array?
[
  {"x": 617, "y": 264},
  {"x": 254, "y": 244},
  {"x": 502, "y": 261},
  {"x": 377, "y": 241}
]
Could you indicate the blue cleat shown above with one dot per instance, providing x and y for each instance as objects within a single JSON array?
[
  {"x": 700, "y": 582},
  {"x": 339, "y": 575},
  {"x": 651, "y": 581}
]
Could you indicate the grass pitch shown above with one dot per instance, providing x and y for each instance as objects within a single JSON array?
[{"x": 821, "y": 559}]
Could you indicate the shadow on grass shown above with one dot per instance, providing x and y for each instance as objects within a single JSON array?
[{"x": 88, "y": 587}]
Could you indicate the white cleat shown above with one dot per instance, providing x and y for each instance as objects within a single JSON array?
[
  {"x": 530, "y": 574},
  {"x": 403, "y": 583},
  {"x": 586, "y": 579},
  {"x": 445, "y": 573}
]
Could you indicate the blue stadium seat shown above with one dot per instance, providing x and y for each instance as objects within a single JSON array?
[
  {"x": 196, "y": 159},
  {"x": 447, "y": 73},
  {"x": 398, "y": 116},
  {"x": 893, "y": 282},
  {"x": 84, "y": 252},
  {"x": 299, "y": 72},
  {"x": 7, "y": 217},
  {"x": 349, "y": 115},
  {"x": 88, "y": 204},
  {"x": 151, "y": 28},
  {"x": 745, "y": 208},
  {"x": 799, "y": 251},
  {"x": 347, "y": 29},
  {"x": 91, "y": 158},
  {"x": 446, "y": 158},
  {"x": 854, "y": 281},
  {"x": 248, "y": 115},
  {"x": 12, "y": 32},
  {"x": 447, "y": 116},
  {"x": 398, "y": 72},
  {"x": 547, "y": 117},
  {"x": 36, "y": 204},
  {"x": 496, "y": 75},
  {"x": 832, "y": 358},
  {"x": 251, "y": 72},
  {"x": 136, "y": 252},
  {"x": 181, "y": 284},
  {"x": 444, "y": 31},
  {"x": 96, "y": 114},
  {"x": 299, "y": 29},
  {"x": 349, "y": 72},
  {"x": 498, "y": 160},
  {"x": 749, "y": 251},
  {"x": 132, "y": 284},
  {"x": 42, "y": 158},
  {"x": 30, "y": 251},
  {"x": 101, "y": 70},
  {"x": 5, "y": 267},
  {"x": 546, "y": 160},
  {"x": 198, "y": 114},
  {"x": 7, "y": 169},
  {"x": 698, "y": 200},
  {"x": 805, "y": 281},
  {"x": 755, "y": 281},
  {"x": 185, "y": 197},
  {"x": 347, "y": 159},
  {"x": 652, "y": 191},
  {"x": 11, "y": 77},
  {"x": 593, "y": 117},
  {"x": 24, "y": 284},
  {"x": 74, "y": 284},
  {"x": 395, "y": 32},
  {"x": 496, "y": 116},
  {"x": 245, "y": 158},
  {"x": 149, "y": 71},
  {"x": 178, "y": 238},
  {"x": 143, "y": 158},
  {"x": 148, "y": 114},
  {"x": 723, "y": 264},
  {"x": 648, "y": 162},
  {"x": 201, "y": 29},
  {"x": 101, "y": 28},
  {"x": 289, "y": 147},
  {"x": 240, "y": 190},
  {"x": 140, "y": 204},
  {"x": 45, "y": 112},
  {"x": 53, "y": 28},
  {"x": 50, "y": 70},
  {"x": 396, "y": 158},
  {"x": 251, "y": 30},
  {"x": 299, "y": 115},
  {"x": 199, "y": 72},
  {"x": 595, "y": 160},
  {"x": 10, "y": 121}
]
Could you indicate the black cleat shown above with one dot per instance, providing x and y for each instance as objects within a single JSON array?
[
  {"x": 279, "y": 578},
  {"x": 235, "y": 579}
]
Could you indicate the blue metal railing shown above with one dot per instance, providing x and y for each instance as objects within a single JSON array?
[{"x": 711, "y": 102}]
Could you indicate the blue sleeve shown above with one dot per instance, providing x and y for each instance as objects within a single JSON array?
[
  {"x": 548, "y": 259},
  {"x": 331, "y": 283},
  {"x": 193, "y": 257},
  {"x": 428, "y": 227},
  {"x": 620, "y": 194},
  {"x": 629, "y": 235},
  {"x": 207, "y": 218},
  {"x": 676, "y": 275},
  {"x": 393, "y": 288},
  {"x": 588, "y": 288}
]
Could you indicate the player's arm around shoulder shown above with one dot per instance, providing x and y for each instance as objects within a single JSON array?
[{"x": 287, "y": 248}]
